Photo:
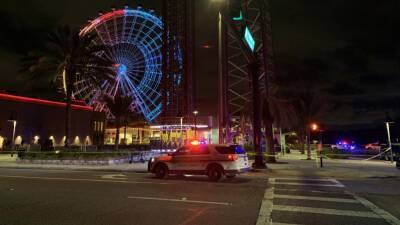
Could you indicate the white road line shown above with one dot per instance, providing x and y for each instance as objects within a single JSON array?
[
  {"x": 382, "y": 213},
  {"x": 337, "y": 212},
  {"x": 114, "y": 176},
  {"x": 311, "y": 191},
  {"x": 307, "y": 184},
  {"x": 264, "y": 215},
  {"x": 180, "y": 200},
  {"x": 313, "y": 198},
  {"x": 80, "y": 179},
  {"x": 307, "y": 179},
  {"x": 273, "y": 223}
]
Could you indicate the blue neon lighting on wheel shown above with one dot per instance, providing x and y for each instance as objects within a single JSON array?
[{"x": 134, "y": 37}]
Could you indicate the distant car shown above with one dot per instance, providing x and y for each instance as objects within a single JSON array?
[
  {"x": 373, "y": 147},
  {"x": 212, "y": 160},
  {"x": 344, "y": 146}
]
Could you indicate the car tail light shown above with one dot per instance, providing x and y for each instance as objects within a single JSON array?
[{"x": 233, "y": 157}]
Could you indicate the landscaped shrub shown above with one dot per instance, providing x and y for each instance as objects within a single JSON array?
[{"x": 59, "y": 155}]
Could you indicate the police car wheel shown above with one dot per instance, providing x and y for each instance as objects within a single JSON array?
[
  {"x": 214, "y": 173},
  {"x": 230, "y": 176},
  {"x": 161, "y": 171}
]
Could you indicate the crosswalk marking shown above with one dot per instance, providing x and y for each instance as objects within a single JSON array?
[
  {"x": 298, "y": 197},
  {"x": 385, "y": 215},
  {"x": 338, "y": 193},
  {"x": 311, "y": 191},
  {"x": 309, "y": 179},
  {"x": 308, "y": 184},
  {"x": 337, "y": 212},
  {"x": 264, "y": 216},
  {"x": 273, "y": 223}
]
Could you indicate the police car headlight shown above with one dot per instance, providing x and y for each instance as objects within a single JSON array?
[{"x": 152, "y": 160}]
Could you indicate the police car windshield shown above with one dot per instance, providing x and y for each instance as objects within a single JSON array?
[{"x": 233, "y": 149}]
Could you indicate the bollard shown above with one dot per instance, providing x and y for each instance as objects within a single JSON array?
[{"x": 321, "y": 164}]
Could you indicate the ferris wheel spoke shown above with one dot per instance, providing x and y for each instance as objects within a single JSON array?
[
  {"x": 115, "y": 29},
  {"x": 137, "y": 90},
  {"x": 100, "y": 35},
  {"x": 105, "y": 26}
]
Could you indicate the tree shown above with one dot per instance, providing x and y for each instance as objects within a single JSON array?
[
  {"x": 308, "y": 105},
  {"x": 120, "y": 107},
  {"x": 282, "y": 114},
  {"x": 67, "y": 55},
  {"x": 134, "y": 118},
  {"x": 302, "y": 84}
]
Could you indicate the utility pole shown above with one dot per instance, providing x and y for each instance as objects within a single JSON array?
[{"x": 389, "y": 140}]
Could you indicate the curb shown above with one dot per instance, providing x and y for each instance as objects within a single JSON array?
[{"x": 73, "y": 169}]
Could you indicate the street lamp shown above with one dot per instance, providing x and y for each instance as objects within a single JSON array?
[
  {"x": 314, "y": 127},
  {"x": 387, "y": 123},
  {"x": 195, "y": 123},
  {"x": 13, "y": 120},
  {"x": 311, "y": 127}
]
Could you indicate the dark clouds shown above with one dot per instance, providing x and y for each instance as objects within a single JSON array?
[{"x": 355, "y": 42}]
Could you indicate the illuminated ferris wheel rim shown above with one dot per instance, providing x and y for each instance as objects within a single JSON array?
[
  {"x": 119, "y": 13},
  {"x": 138, "y": 54}
]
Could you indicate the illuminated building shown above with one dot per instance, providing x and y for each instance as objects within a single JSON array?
[{"x": 38, "y": 120}]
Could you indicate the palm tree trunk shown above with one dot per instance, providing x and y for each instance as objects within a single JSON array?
[
  {"x": 117, "y": 125},
  {"x": 308, "y": 144},
  {"x": 68, "y": 115},
  {"x": 125, "y": 125},
  {"x": 269, "y": 137}
]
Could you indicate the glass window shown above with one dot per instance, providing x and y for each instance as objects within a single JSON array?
[
  {"x": 233, "y": 149},
  {"x": 182, "y": 151},
  {"x": 200, "y": 150}
]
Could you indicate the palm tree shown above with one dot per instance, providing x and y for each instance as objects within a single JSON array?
[
  {"x": 120, "y": 107},
  {"x": 67, "y": 55},
  {"x": 283, "y": 115},
  {"x": 300, "y": 85},
  {"x": 131, "y": 117},
  {"x": 308, "y": 105}
]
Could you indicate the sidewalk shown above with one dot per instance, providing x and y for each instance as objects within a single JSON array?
[{"x": 295, "y": 164}]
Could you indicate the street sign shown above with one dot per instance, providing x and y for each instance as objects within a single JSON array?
[{"x": 248, "y": 37}]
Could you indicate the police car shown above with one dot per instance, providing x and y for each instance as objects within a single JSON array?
[{"x": 213, "y": 160}]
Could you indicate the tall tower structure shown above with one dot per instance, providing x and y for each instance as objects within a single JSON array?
[
  {"x": 178, "y": 88},
  {"x": 241, "y": 22}
]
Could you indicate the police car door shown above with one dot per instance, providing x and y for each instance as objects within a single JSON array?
[
  {"x": 200, "y": 157},
  {"x": 180, "y": 158}
]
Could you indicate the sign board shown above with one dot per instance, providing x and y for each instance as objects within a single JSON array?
[{"x": 248, "y": 37}]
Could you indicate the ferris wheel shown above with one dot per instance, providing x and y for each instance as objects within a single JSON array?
[{"x": 134, "y": 38}]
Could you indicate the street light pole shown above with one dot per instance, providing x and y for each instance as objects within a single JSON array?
[
  {"x": 181, "y": 131},
  {"x": 195, "y": 123},
  {"x": 389, "y": 140},
  {"x": 14, "y": 126}
]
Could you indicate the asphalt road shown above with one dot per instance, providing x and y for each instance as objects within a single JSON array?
[
  {"x": 66, "y": 197},
  {"x": 58, "y": 197}
]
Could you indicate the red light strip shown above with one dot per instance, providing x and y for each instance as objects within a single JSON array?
[
  {"x": 41, "y": 102},
  {"x": 100, "y": 19}
]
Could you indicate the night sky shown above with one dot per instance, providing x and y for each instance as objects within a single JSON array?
[{"x": 357, "y": 43}]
